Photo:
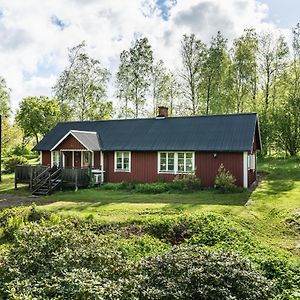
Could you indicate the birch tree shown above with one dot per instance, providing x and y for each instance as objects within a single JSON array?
[
  {"x": 192, "y": 54},
  {"x": 82, "y": 87}
]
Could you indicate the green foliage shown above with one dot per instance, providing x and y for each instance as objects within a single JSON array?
[
  {"x": 206, "y": 229},
  {"x": 67, "y": 261},
  {"x": 11, "y": 163},
  {"x": 137, "y": 247},
  {"x": 192, "y": 273},
  {"x": 37, "y": 116},
  {"x": 152, "y": 188},
  {"x": 58, "y": 262},
  {"x": 4, "y": 99},
  {"x": 133, "y": 77},
  {"x": 186, "y": 182},
  {"x": 225, "y": 181},
  {"x": 21, "y": 150},
  {"x": 81, "y": 88}
]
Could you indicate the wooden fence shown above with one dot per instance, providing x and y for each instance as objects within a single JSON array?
[{"x": 26, "y": 173}]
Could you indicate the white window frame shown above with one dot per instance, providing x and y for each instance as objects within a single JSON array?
[
  {"x": 53, "y": 161},
  {"x": 115, "y": 160},
  {"x": 176, "y": 171}
]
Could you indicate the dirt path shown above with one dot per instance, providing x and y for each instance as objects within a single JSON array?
[{"x": 10, "y": 200}]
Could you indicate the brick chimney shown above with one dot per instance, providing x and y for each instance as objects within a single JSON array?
[{"x": 162, "y": 112}]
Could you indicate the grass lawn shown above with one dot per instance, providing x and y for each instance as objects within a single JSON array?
[
  {"x": 7, "y": 186},
  {"x": 275, "y": 200}
]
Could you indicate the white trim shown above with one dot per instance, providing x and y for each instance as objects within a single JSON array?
[
  {"x": 71, "y": 132},
  {"x": 63, "y": 160},
  {"x": 176, "y": 163},
  {"x": 115, "y": 162},
  {"x": 73, "y": 159},
  {"x": 93, "y": 159},
  {"x": 93, "y": 132},
  {"x": 78, "y": 150},
  {"x": 52, "y": 159},
  {"x": 102, "y": 167},
  {"x": 81, "y": 159},
  {"x": 245, "y": 169}
]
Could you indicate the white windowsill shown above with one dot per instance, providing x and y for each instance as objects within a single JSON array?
[{"x": 122, "y": 171}]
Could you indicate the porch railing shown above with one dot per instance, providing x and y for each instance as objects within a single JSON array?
[{"x": 26, "y": 173}]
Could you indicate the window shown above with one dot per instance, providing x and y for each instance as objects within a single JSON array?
[
  {"x": 251, "y": 162},
  {"x": 167, "y": 162},
  {"x": 122, "y": 161},
  {"x": 55, "y": 158},
  {"x": 176, "y": 162},
  {"x": 86, "y": 158}
]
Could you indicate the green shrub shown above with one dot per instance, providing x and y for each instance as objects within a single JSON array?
[
  {"x": 11, "y": 163},
  {"x": 202, "y": 229},
  {"x": 60, "y": 262},
  {"x": 152, "y": 188},
  {"x": 20, "y": 150},
  {"x": 127, "y": 186},
  {"x": 137, "y": 247},
  {"x": 225, "y": 181},
  {"x": 193, "y": 273},
  {"x": 186, "y": 182}
]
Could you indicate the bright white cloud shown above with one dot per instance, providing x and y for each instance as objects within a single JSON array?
[{"x": 35, "y": 35}]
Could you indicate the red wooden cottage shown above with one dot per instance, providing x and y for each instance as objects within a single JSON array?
[{"x": 155, "y": 149}]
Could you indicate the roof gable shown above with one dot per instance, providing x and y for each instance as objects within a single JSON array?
[
  {"x": 231, "y": 133},
  {"x": 86, "y": 139}
]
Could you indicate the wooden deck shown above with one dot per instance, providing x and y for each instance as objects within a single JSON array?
[{"x": 41, "y": 177}]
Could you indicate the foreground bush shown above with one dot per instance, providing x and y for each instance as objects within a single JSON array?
[
  {"x": 225, "y": 181},
  {"x": 11, "y": 163},
  {"x": 62, "y": 262},
  {"x": 192, "y": 273}
]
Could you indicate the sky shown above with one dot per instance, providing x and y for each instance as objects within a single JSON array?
[{"x": 35, "y": 35}]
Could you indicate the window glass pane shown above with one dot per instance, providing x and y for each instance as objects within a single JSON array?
[
  {"x": 188, "y": 165},
  {"x": 126, "y": 163},
  {"x": 163, "y": 162},
  {"x": 180, "y": 162},
  {"x": 170, "y": 161},
  {"x": 119, "y": 166},
  {"x": 189, "y": 155},
  {"x": 180, "y": 155},
  {"x": 119, "y": 154},
  {"x": 126, "y": 155}
]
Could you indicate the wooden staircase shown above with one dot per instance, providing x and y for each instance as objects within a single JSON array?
[{"x": 47, "y": 182}]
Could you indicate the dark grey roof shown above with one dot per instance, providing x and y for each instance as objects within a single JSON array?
[
  {"x": 89, "y": 139},
  {"x": 233, "y": 132}
]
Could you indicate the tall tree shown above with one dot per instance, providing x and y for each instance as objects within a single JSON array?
[
  {"x": 4, "y": 98},
  {"x": 213, "y": 73},
  {"x": 82, "y": 86},
  {"x": 287, "y": 115},
  {"x": 134, "y": 77},
  {"x": 37, "y": 116},
  {"x": 124, "y": 84},
  {"x": 193, "y": 53},
  {"x": 273, "y": 60},
  {"x": 244, "y": 69}
]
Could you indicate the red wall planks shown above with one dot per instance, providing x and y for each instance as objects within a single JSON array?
[
  {"x": 70, "y": 143},
  {"x": 46, "y": 158},
  {"x": 207, "y": 166},
  {"x": 144, "y": 167}
]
